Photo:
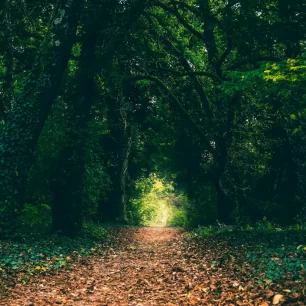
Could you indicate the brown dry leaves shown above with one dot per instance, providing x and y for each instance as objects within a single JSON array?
[{"x": 153, "y": 266}]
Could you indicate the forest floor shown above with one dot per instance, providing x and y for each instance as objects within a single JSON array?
[{"x": 159, "y": 266}]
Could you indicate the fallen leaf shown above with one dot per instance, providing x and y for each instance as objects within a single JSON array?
[{"x": 277, "y": 298}]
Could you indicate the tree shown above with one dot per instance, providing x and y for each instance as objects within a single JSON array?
[{"x": 25, "y": 122}]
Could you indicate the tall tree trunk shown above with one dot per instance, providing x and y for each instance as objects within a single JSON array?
[
  {"x": 26, "y": 121},
  {"x": 126, "y": 150},
  {"x": 68, "y": 184},
  {"x": 113, "y": 209},
  {"x": 226, "y": 204}
]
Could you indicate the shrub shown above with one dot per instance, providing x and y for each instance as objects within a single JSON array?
[
  {"x": 94, "y": 231},
  {"x": 202, "y": 231},
  {"x": 178, "y": 218},
  {"x": 35, "y": 218}
]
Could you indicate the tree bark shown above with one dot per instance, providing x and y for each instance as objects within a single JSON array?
[
  {"x": 113, "y": 209},
  {"x": 225, "y": 205},
  {"x": 126, "y": 150},
  {"x": 68, "y": 184}
]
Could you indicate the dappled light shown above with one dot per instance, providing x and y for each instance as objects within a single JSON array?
[{"x": 157, "y": 203}]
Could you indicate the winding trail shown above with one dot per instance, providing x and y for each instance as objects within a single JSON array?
[{"x": 147, "y": 266}]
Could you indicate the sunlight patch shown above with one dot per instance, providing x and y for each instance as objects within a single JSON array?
[{"x": 157, "y": 204}]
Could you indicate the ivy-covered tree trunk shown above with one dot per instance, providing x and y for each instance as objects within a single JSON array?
[
  {"x": 113, "y": 208},
  {"x": 68, "y": 183},
  {"x": 26, "y": 121},
  {"x": 121, "y": 215},
  {"x": 299, "y": 152}
]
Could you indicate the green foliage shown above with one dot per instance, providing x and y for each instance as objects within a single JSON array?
[
  {"x": 41, "y": 254},
  {"x": 157, "y": 204},
  {"x": 76, "y": 50},
  {"x": 297, "y": 227},
  {"x": 202, "y": 231},
  {"x": 97, "y": 184},
  {"x": 94, "y": 231},
  {"x": 289, "y": 71},
  {"x": 264, "y": 224},
  {"x": 277, "y": 262},
  {"x": 207, "y": 231},
  {"x": 217, "y": 104},
  {"x": 201, "y": 210},
  {"x": 178, "y": 218},
  {"x": 273, "y": 254},
  {"x": 35, "y": 218}
]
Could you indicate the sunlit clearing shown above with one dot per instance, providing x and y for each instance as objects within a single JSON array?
[{"x": 157, "y": 204}]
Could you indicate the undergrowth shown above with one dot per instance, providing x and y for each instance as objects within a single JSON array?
[
  {"x": 26, "y": 255},
  {"x": 274, "y": 252}
]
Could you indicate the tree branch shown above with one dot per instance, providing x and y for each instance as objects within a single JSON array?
[
  {"x": 181, "y": 108},
  {"x": 194, "y": 79},
  {"x": 253, "y": 60},
  {"x": 196, "y": 11},
  {"x": 189, "y": 73},
  {"x": 180, "y": 19},
  {"x": 224, "y": 56},
  {"x": 228, "y": 34}
]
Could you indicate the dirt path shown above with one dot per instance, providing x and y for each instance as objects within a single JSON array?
[
  {"x": 137, "y": 271},
  {"x": 148, "y": 266}
]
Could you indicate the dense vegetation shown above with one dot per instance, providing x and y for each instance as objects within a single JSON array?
[
  {"x": 151, "y": 113},
  {"x": 98, "y": 97}
]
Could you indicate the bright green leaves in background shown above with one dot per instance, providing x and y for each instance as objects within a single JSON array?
[{"x": 157, "y": 203}]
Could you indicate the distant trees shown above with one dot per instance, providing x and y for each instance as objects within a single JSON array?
[{"x": 216, "y": 61}]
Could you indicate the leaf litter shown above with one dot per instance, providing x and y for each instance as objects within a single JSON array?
[{"x": 160, "y": 266}]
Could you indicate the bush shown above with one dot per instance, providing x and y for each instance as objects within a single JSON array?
[
  {"x": 156, "y": 203},
  {"x": 178, "y": 218},
  {"x": 94, "y": 231},
  {"x": 297, "y": 227},
  {"x": 35, "y": 218},
  {"x": 206, "y": 231}
]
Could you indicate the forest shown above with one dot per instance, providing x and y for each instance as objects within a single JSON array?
[{"x": 152, "y": 152}]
